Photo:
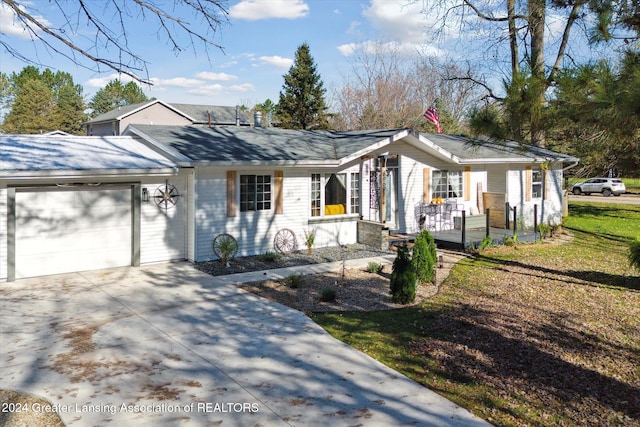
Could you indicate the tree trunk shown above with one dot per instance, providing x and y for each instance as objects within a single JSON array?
[{"x": 538, "y": 83}]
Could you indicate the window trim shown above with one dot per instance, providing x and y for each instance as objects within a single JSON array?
[
  {"x": 256, "y": 193},
  {"x": 322, "y": 178},
  {"x": 435, "y": 193}
]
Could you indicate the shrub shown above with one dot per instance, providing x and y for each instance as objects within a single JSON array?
[
  {"x": 294, "y": 281},
  {"x": 487, "y": 242},
  {"x": 544, "y": 230},
  {"x": 270, "y": 256},
  {"x": 403, "y": 278},
  {"x": 309, "y": 239},
  {"x": 511, "y": 240},
  {"x": 374, "y": 267},
  {"x": 327, "y": 294},
  {"x": 424, "y": 257},
  {"x": 634, "y": 254}
]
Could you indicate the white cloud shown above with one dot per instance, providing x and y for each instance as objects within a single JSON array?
[
  {"x": 207, "y": 90},
  {"x": 224, "y": 77},
  {"x": 244, "y": 87},
  {"x": 9, "y": 24},
  {"x": 101, "y": 82},
  {"x": 182, "y": 82},
  {"x": 253, "y": 10},
  {"x": 402, "y": 49},
  {"x": 277, "y": 61},
  {"x": 397, "y": 20}
]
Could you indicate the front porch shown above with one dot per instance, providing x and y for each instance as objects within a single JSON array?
[{"x": 471, "y": 238}]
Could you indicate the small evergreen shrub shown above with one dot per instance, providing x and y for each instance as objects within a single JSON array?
[
  {"x": 424, "y": 257},
  {"x": 634, "y": 254},
  {"x": 327, "y": 295},
  {"x": 294, "y": 281},
  {"x": 403, "y": 278},
  {"x": 270, "y": 256},
  {"x": 374, "y": 267}
]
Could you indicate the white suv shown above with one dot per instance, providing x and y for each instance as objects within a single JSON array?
[{"x": 606, "y": 186}]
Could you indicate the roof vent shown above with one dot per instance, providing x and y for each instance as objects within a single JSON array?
[
  {"x": 237, "y": 115},
  {"x": 257, "y": 119}
]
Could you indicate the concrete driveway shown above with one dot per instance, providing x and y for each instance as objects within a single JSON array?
[{"x": 167, "y": 345}]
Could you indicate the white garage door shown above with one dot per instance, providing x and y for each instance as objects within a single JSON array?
[{"x": 61, "y": 231}]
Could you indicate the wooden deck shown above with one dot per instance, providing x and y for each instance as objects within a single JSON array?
[{"x": 452, "y": 239}]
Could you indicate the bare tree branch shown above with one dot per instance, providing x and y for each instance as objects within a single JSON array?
[{"x": 125, "y": 60}]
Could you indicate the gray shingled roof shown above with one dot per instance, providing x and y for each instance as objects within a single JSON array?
[
  {"x": 40, "y": 153},
  {"x": 219, "y": 114},
  {"x": 118, "y": 112},
  {"x": 246, "y": 144},
  {"x": 468, "y": 149}
]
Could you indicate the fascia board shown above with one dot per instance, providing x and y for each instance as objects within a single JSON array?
[
  {"x": 289, "y": 163},
  {"x": 169, "y": 152},
  {"x": 435, "y": 149},
  {"x": 373, "y": 147},
  {"x": 93, "y": 174}
]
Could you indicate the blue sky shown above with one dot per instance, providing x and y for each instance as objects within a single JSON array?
[{"x": 260, "y": 41}]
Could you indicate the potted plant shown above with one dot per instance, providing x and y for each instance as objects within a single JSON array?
[{"x": 309, "y": 239}]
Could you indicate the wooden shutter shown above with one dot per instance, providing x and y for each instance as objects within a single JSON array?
[
  {"x": 467, "y": 183},
  {"x": 278, "y": 194},
  {"x": 232, "y": 208},
  {"x": 528, "y": 182},
  {"x": 426, "y": 185}
]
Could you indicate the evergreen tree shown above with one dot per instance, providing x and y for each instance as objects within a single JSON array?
[
  {"x": 424, "y": 257},
  {"x": 42, "y": 101},
  {"x": 302, "y": 104},
  {"x": 115, "y": 95},
  {"x": 403, "y": 278}
]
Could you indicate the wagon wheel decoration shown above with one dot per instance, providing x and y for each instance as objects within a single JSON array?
[
  {"x": 166, "y": 196},
  {"x": 225, "y": 246},
  {"x": 285, "y": 241}
]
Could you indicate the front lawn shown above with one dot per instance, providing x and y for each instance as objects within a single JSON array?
[{"x": 541, "y": 334}]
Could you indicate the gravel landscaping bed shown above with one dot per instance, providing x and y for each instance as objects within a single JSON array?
[{"x": 319, "y": 255}]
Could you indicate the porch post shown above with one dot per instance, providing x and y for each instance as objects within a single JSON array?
[
  {"x": 383, "y": 189},
  {"x": 464, "y": 227},
  {"x": 487, "y": 221},
  {"x": 535, "y": 221}
]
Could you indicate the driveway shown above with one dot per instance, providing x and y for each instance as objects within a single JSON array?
[{"x": 167, "y": 345}]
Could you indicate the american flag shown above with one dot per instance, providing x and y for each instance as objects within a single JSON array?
[{"x": 432, "y": 115}]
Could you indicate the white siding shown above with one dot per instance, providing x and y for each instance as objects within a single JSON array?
[
  {"x": 163, "y": 233},
  {"x": 3, "y": 234},
  {"x": 256, "y": 230},
  {"x": 549, "y": 210}
]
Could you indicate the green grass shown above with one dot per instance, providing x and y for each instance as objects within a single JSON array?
[{"x": 516, "y": 333}]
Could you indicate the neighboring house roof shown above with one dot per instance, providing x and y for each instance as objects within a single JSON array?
[
  {"x": 126, "y": 110},
  {"x": 197, "y": 114},
  {"x": 233, "y": 144},
  {"x": 215, "y": 114},
  {"x": 45, "y": 155}
]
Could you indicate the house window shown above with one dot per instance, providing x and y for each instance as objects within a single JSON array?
[
  {"x": 316, "y": 200},
  {"x": 255, "y": 192},
  {"x": 331, "y": 194},
  {"x": 447, "y": 184},
  {"x": 354, "y": 198},
  {"x": 536, "y": 183}
]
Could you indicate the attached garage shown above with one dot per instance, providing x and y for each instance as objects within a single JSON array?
[
  {"x": 65, "y": 230},
  {"x": 76, "y": 203}
]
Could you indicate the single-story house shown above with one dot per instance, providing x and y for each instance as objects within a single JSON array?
[
  {"x": 155, "y": 112},
  {"x": 163, "y": 193}
]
